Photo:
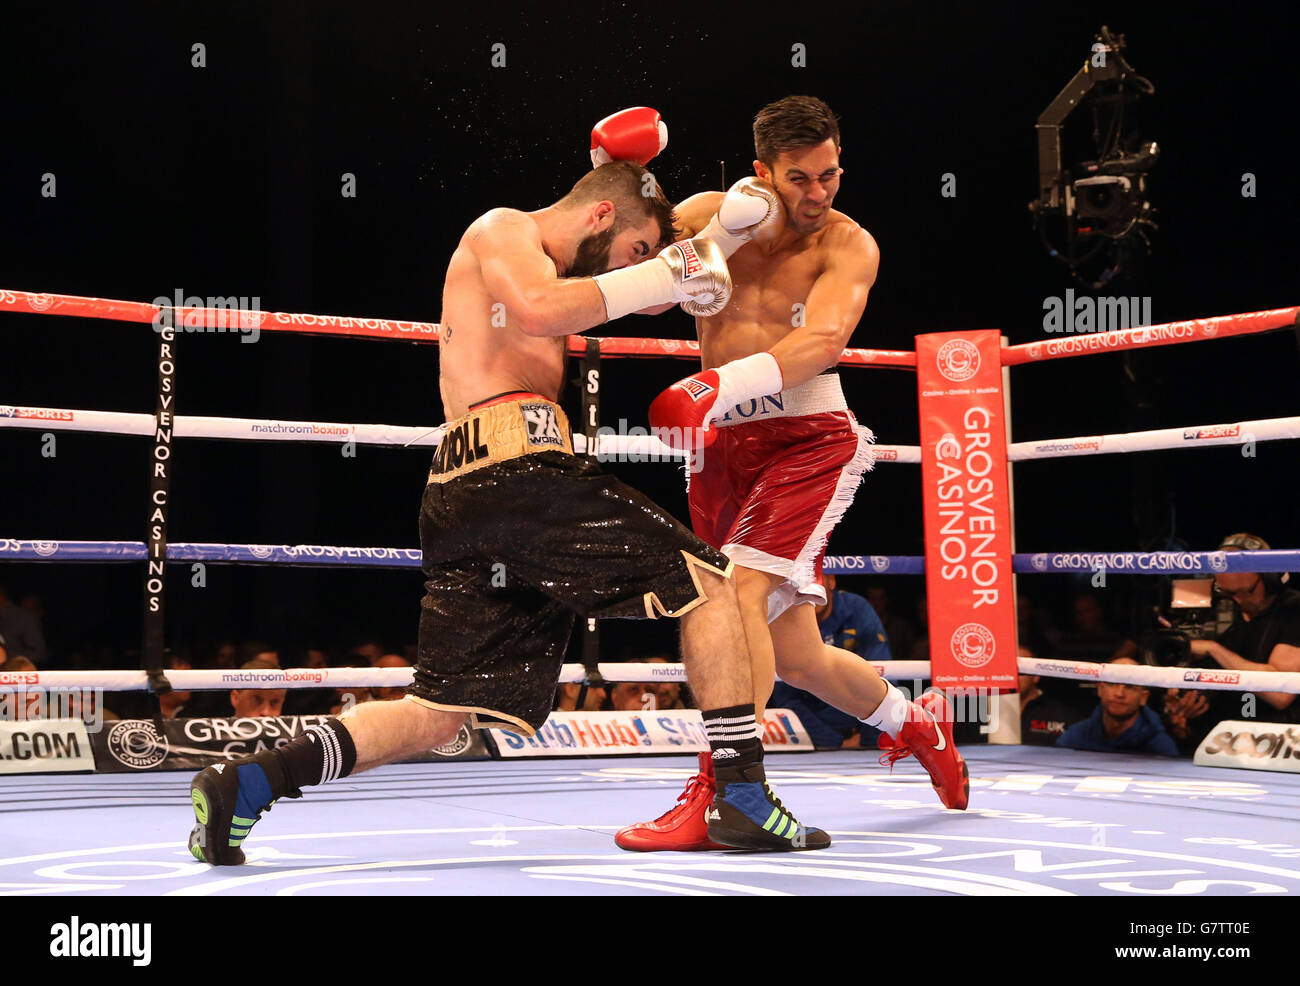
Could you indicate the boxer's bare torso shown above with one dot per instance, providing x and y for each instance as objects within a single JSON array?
[
  {"x": 769, "y": 281},
  {"x": 484, "y": 352}
]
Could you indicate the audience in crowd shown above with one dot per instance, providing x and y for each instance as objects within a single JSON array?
[
  {"x": 390, "y": 694},
  {"x": 850, "y": 621},
  {"x": 347, "y": 698},
  {"x": 845, "y": 620},
  {"x": 646, "y": 696},
  {"x": 898, "y": 630},
  {"x": 173, "y": 703},
  {"x": 1034, "y": 626},
  {"x": 669, "y": 694},
  {"x": 1264, "y": 635},
  {"x": 310, "y": 701},
  {"x": 1183, "y": 712},
  {"x": 567, "y": 694},
  {"x": 921, "y": 649},
  {"x": 227, "y": 655},
  {"x": 253, "y": 703},
  {"x": 21, "y": 629},
  {"x": 257, "y": 654},
  {"x": 366, "y": 652},
  {"x": 632, "y": 696},
  {"x": 1091, "y": 638},
  {"x": 1121, "y": 723},
  {"x": 18, "y": 665},
  {"x": 1043, "y": 719}
]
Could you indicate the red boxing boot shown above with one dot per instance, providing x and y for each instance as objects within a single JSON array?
[
  {"x": 682, "y": 828},
  {"x": 927, "y": 735}
]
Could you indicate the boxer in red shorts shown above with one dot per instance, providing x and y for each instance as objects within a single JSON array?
[{"x": 776, "y": 473}]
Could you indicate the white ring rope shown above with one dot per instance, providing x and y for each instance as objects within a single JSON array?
[
  {"x": 636, "y": 443},
  {"x": 204, "y": 680},
  {"x": 1191, "y": 436}
]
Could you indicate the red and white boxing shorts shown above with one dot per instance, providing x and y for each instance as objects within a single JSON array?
[{"x": 778, "y": 479}]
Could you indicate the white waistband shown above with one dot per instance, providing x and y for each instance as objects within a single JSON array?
[{"x": 816, "y": 396}]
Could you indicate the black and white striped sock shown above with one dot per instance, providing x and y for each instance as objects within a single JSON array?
[
  {"x": 733, "y": 736},
  {"x": 321, "y": 754}
]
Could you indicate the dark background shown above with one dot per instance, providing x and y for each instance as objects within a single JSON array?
[{"x": 225, "y": 180}]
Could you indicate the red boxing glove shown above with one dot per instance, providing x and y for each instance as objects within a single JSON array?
[
  {"x": 680, "y": 416},
  {"x": 635, "y": 134}
]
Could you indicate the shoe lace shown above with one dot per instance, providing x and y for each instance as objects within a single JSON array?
[
  {"x": 295, "y": 793},
  {"x": 690, "y": 794},
  {"x": 893, "y": 755}
]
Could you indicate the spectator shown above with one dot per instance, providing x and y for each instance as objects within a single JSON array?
[
  {"x": 1264, "y": 636},
  {"x": 347, "y": 698},
  {"x": 566, "y": 698},
  {"x": 898, "y": 630},
  {"x": 1121, "y": 723},
  {"x": 390, "y": 694},
  {"x": 1182, "y": 709},
  {"x": 633, "y": 696},
  {"x": 174, "y": 702},
  {"x": 253, "y": 703},
  {"x": 312, "y": 701},
  {"x": 1089, "y": 639},
  {"x": 87, "y": 706},
  {"x": 669, "y": 694},
  {"x": 141, "y": 705},
  {"x": 1034, "y": 626},
  {"x": 367, "y": 653},
  {"x": 921, "y": 649},
  {"x": 21, "y": 631},
  {"x": 227, "y": 655},
  {"x": 1042, "y": 718},
  {"x": 846, "y": 620},
  {"x": 361, "y": 656},
  {"x": 68, "y": 703},
  {"x": 15, "y": 665},
  {"x": 257, "y": 654},
  {"x": 1092, "y": 639}
]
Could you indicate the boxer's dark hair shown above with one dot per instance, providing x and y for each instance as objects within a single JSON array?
[
  {"x": 635, "y": 192},
  {"x": 791, "y": 123}
]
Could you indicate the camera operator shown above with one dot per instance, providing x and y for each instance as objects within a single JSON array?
[{"x": 1264, "y": 636}]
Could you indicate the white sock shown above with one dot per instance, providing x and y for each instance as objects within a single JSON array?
[{"x": 891, "y": 713}]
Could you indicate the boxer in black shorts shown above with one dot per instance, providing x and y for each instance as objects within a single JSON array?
[
  {"x": 518, "y": 535},
  {"x": 508, "y": 501}
]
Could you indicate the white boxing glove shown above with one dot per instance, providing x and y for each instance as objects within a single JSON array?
[{"x": 751, "y": 208}]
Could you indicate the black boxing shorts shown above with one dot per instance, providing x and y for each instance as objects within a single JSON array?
[{"x": 518, "y": 535}]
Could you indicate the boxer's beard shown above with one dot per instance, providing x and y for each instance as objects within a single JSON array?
[{"x": 592, "y": 257}]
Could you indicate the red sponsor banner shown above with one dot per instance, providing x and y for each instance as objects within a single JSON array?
[{"x": 967, "y": 510}]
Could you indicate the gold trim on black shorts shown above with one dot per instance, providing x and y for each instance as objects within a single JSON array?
[
  {"x": 498, "y": 433},
  {"x": 496, "y": 720},
  {"x": 651, "y": 599}
]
